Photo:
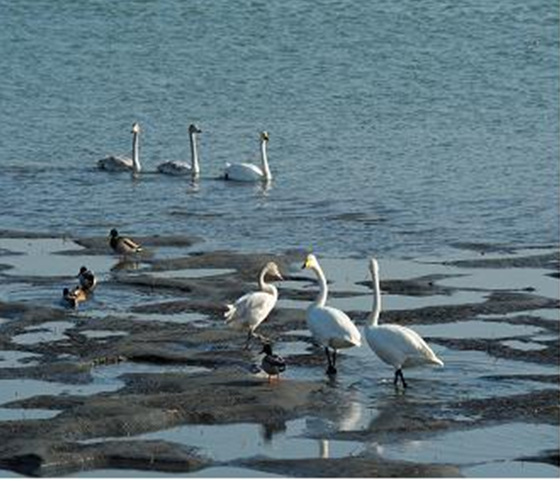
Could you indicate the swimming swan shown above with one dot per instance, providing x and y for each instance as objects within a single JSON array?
[
  {"x": 123, "y": 245},
  {"x": 396, "y": 345},
  {"x": 330, "y": 327},
  {"x": 119, "y": 164},
  {"x": 250, "y": 310},
  {"x": 249, "y": 172},
  {"x": 174, "y": 167}
]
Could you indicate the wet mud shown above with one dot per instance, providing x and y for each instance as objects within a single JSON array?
[{"x": 136, "y": 374}]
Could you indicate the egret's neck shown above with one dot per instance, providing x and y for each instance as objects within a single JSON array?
[
  {"x": 135, "y": 157},
  {"x": 323, "y": 291},
  {"x": 265, "y": 286},
  {"x": 264, "y": 159},
  {"x": 376, "y": 309},
  {"x": 194, "y": 155}
]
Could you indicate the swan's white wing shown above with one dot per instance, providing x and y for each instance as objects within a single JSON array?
[
  {"x": 115, "y": 163},
  {"x": 251, "y": 309},
  {"x": 243, "y": 172},
  {"x": 422, "y": 352},
  {"x": 400, "y": 346},
  {"x": 332, "y": 327},
  {"x": 174, "y": 167}
]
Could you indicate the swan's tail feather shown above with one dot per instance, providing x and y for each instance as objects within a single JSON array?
[
  {"x": 435, "y": 360},
  {"x": 438, "y": 361},
  {"x": 230, "y": 313}
]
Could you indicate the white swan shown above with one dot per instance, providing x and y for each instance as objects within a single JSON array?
[
  {"x": 250, "y": 310},
  {"x": 330, "y": 327},
  {"x": 396, "y": 345},
  {"x": 249, "y": 172},
  {"x": 119, "y": 164},
  {"x": 174, "y": 167}
]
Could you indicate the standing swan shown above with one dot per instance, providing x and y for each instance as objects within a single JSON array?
[
  {"x": 253, "y": 308},
  {"x": 249, "y": 172},
  {"x": 119, "y": 164},
  {"x": 396, "y": 345},
  {"x": 174, "y": 167},
  {"x": 330, "y": 327}
]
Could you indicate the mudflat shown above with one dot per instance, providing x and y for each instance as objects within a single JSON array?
[{"x": 145, "y": 375}]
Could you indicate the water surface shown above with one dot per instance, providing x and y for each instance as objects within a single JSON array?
[{"x": 395, "y": 127}]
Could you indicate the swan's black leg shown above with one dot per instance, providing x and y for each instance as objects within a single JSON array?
[
  {"x": 328, "y": 356},
  {"x": 334, "y": 358},
  {"x": 398, "y": 373},
  {"x": 402, "y": 379},
  {"x": 248, "y": 341},
  {"x": 331, "y": 369}
]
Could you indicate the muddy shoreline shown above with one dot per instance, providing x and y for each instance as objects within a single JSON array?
[{"x": 196, "y": 372}]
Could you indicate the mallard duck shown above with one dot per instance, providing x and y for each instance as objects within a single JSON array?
[
  {"x": 398, "y": 346},
  {"x": 272, "y": 364},
  {"x": 330, "y": 327},
  {"x": 123, "y": 245},
  {"x": 250, "y": 310},
  {"x": 72, "y": 298},
  {"x": 87, "y": 279},
  {"x": 246, "y": 172}
]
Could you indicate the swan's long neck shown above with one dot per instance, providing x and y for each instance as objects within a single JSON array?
[
  {"x": 323, "y": 290},
  {"x": 376, "y": 309},
  {"x": 264, "y": 159},
  {"x": 265, "y": 286},
  {"x": 135, "y": 157},
  {"x": 194, "y": 154}
]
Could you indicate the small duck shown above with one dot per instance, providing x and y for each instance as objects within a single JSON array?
[
  {"x": 272, "y": 364},
  {"x": 123, "y": 245},
  {"x": 73, "y": 297},
  {"x": 87, "y": 279}
]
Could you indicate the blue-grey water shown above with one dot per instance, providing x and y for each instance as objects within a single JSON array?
[{"x": 395, "y": 127}]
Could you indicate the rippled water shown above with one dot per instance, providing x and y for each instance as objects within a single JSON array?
[{"x": 395, "y": 127}]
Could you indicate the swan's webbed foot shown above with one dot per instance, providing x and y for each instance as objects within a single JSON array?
[{"x": 331, "y": 370}]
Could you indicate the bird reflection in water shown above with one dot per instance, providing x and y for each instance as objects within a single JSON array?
[{"x": 272, "y": 428}]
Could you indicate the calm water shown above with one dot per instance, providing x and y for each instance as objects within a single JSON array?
[{"x": 395, "y": 127}]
